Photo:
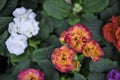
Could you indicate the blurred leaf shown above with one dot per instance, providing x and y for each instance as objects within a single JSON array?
[
  {"x": 44, "y": 30},
  {"x": 57, "y": 8},
  {"x": 53, "y": 40},
  {"x": 4, "y": 21},
  {"x": 9, "y": 7},
  {"x": 108, "y": 52},
  {"x": 102, "y": 65},
  {"x": 91, "y": 6},
  {"x": 79, "y": 77},
  {"x": 73, "y": 19},
  {"x": 113, "y": 10},
  {"x": 94, "y": 24},
  {"x": 19, "y": 67},
  {"x": 51, "y": 75},
  {"x": 6, "y": 77},
  {"x": 96, "y": 76},
  {"x": 2, "y": 4},
  {"x": 3, "y": 38}
]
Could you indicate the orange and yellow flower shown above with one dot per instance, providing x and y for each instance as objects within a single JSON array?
[
  {"x": 77, "y": 36},
  {"x": 109, "y": 32},
  {"x": 31, "y": 74},
  {"x": 92, "y": 49},
  {"x": 62, "y": 59}
]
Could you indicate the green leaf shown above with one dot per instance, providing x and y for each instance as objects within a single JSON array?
[
  {"x": 92, "y": 6},
  {"x": 51, "y": 75},
  {"x": 108, "y": 52},
  {"x": 44, "y": 30},
  {"x": 54, "y": 41},
  {"x": 19, "y": 67},
  {"x": 94, "y": 24},
  {"x": 110, "y": 11},
  {"x": 3, "y": 50},
  {"x": 57, "y": 8},
  {"x": 4, "y": 21},
  {"x": 102, "y": 65},
  {"x": 9, "y": 7},
  {"x": 79, "y": 77},
  {"x": 2, "y": 4},
  {"x": 96, "y": 76}
]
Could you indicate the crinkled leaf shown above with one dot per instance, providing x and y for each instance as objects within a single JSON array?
[
  {"x": 96, "y": 76},
  {"x": 102, "y": 65},
  {"x": 9, "y": 7},
  {"x": 2, "y": 4},
  {"x": 19, "y": 67},
  {"x": 113, "y": 10},
  {"x": 91, "y": 6},
  {"x": 79, "y": 77},
  {"x": 57, "y": 8},
  {"x": 53, "y": 40},
  {"x": 94, "y": 24},
  {"x": 4, "y": 21}
]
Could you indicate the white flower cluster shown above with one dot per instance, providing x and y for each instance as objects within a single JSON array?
[{"x": 24, "y": 26}]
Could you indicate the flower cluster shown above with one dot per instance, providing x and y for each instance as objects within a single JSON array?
[
  {"x": 111, "y": 31},
  {"x": 77, "y": 39},
  {"x": 30, "y": 74},
  {"x": 24, "y": 26},
  {"x": 113, "y": 75},
  {"x": 63, "y": 59}
]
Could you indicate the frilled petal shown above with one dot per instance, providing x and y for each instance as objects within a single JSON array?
[
  {"x": 109, "y": 32},
  {"x": 92, "y": 49},
  {"x": 30, "y": 74},
  {"x": 77, "y": 36},
  {"x": 62, "y": 59},
  {"x": 116, "y": 20}
]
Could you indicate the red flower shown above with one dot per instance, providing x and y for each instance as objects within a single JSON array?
[
  {"x": 30, "y": 74},
  {"x": 92, "y": 49},
  {"x": 62, "y": 59},
  {"x": 116, "y": 20},
  {"x": 117, "y": 45},
  {"x": 77, "y": 36},
  {"x": 109, "y": 32}
]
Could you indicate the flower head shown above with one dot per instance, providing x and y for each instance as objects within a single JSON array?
[
  {"x": 77, "y": 36},
  {"x": 92, "y": 49},
  {"x": 116, "y": 20},
  {"x": 113, "y": 75},
  {"x": 16, "y": 44},
  {"x": 109, "y": 32},
  {"x": 30, "y": 74},
  {"x": 62, "y": 59},
  {"x": 62, "y": 37}
]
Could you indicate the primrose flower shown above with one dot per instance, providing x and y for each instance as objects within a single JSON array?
[
  {"x": 62, "y": 59},
  {"x": 30, "y": 74},
  {"x": 113, "y": 75},
  {"x": 116, "y": 20},
  {"x": 109, "y": 31},
  {"x": 92, "y": 49},
  {"x": 16, "y": 44},
  {"x": 62, "y": 37},
  {"x": 77, "y": 36},
  {"x": 24, "y": 23}
]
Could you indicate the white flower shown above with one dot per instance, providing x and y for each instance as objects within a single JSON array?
[
  {"x": 13, "y": 28},
  {"x": 16, "y": 44},
  {"x": 19, "y": 11}
]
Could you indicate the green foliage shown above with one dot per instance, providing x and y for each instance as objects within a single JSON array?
[
  {"x": 19, "y": 67},
  {"x": 102, "y": 65},
  {"x": 79, "y": 77},
  {"x": 2, "y": 4},
  {"x": 9, "y": 7},
  {"x": 6, "y": 77},
  {"x": 94, "y": 24},
  {"x": 92, "y": 6},
  {"x": 96, "y": 76},
  {"x": 57, "y": 8},
  {"x": 4, "y": 21}
]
